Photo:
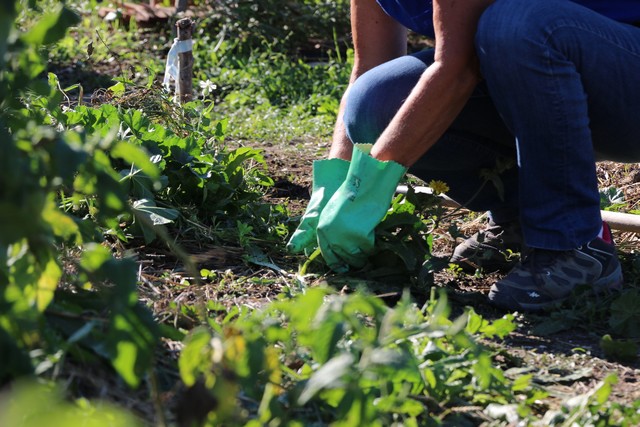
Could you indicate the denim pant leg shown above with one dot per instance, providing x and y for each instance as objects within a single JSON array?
[
  {"x": 567, "y": 82},
  {"x": 463, "y": 158}
]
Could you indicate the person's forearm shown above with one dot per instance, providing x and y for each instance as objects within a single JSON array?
[
  {"x": 428, "y": 112},
  {"x": 377, "y": 38},
  {"x": 434, "y": 103},
  {"x": 341, "y": 146}
]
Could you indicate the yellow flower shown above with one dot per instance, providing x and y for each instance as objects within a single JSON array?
[{"x": 438, "y": 187}]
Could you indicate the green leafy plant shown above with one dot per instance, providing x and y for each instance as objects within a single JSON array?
[
  {"x": 611, "y": 199},
  {"x": 350, "y": 359},
  {"x": 40, "y": 161},
  {"x": 293, "y": 25},
  {"x": 591, "y": 409},
  {"x": 337, "y": 359},
  {"x": 31, "y": 405},
  {"x": 74, "y": 174}
]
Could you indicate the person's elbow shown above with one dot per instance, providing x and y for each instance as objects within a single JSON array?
[{"x": 463, "y": 72}]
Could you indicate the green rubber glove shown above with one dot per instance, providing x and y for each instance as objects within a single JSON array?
[
  {"x": 328, "y": 175},
  {"x": 347, "y": 222}
]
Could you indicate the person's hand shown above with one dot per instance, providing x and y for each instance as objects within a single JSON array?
[
  {"x": 347, "y": 222},
  {"x": 328, "y": 175}
]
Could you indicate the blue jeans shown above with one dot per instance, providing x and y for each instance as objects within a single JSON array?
[{"x": 561, "y": 90}]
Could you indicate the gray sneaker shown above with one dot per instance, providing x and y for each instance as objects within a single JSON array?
[
  {"x": 545, "y": 277},
  {"x": 494, "y": 248}
]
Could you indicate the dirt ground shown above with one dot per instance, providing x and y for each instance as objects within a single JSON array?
[{"x": 565, "y": 363}]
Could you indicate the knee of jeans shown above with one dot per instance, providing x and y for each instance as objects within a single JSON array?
[
  {"x": 362, "y": 120},
  {"x": 375, "y": 97}
]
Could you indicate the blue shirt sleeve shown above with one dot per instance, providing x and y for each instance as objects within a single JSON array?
[{"x": 417, "y": 15}]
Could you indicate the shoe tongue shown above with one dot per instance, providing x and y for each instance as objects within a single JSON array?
[{"x": 606, "y": 234}]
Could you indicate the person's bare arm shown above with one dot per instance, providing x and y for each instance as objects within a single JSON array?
[
  {"x": 442, "y": 90},
  {"x": 377, "y": 38}
]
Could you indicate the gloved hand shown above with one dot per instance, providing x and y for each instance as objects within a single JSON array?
[
  {"x": 347, "y": 222},
  {"x": 328, "y": 175}
]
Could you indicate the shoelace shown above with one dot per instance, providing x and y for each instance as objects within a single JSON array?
[
  {"x": 538, "y": 261},
  {"x": 500, "y": 232},
  {"x": 493, "y": 232}
]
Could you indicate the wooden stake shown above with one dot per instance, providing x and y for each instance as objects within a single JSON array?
[
  {"x": 185, "y": 85},
  {"x": 617, "y": 220},
  {"x": 181, "y": 6}
]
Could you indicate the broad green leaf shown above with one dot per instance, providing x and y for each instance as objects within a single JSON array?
[
  {"x": 94, "y": 257},
  {"x": 137, "y": 121},
  {"x": 61, "y": 224},
  {"x": 391, "y": 358},
  {"x": 47, "y": 283},
  {"x": 403, "y": 405},
  {"x": 51, "y": 27},
  {"x": 474, "y": 322},
  {"x": 149, "y": 215},
  {"x": 136, "y": 157},
  {"x": 624, "y": 350},
  {"x": 111, "y": 196},
  {"x": 325, "y": 338},
  {"x": 66, "y": 158},
  {"x": 194, "y": 357},
  {"x": 32, "y": 404},
  {"x": 171, "y": 332},
  {"x": 132, "y": 338},
  {"x": 239, "y": 155},
  {"x": 125, "y": 356},
  {"x": 603, "y": 391},
  {"x": 398, "y": 219},
  {"x": 305, "y": 308},
  {"x": 54, "y": 97},
  {"x": 329, "y": 374},
  {"x": 117, "y": 89},
  {"x": 391, "y": 250},
  {"x": 500, "y": 327},
  {"x": 430, "y": 378},
  {"x": 483, "y": 370},
  {"x": 522, "y": 383}
]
